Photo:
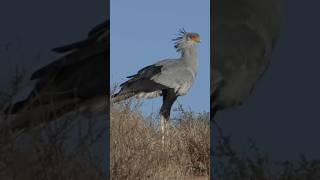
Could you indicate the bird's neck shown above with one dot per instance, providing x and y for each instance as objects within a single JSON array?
[{"x": 190, "y": 55}]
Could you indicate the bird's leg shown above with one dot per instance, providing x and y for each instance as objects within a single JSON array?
[
  {"x": 169, "y": 97},
  {"x": 163, "y": 123}
]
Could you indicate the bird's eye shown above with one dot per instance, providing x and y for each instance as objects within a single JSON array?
[{"x": 193, "y": 36}]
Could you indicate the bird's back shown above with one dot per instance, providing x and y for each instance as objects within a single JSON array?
[{"x": 176, "y": 74}]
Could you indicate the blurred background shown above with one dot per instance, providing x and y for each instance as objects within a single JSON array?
[
  {"x": 60, "y": 149},
  {"x": 282, "y": 115}
]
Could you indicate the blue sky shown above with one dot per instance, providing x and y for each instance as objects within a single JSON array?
[{"x": 141, "y": 33}]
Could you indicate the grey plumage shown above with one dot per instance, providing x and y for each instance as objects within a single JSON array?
[
  {"x": 177, "y": 74},
  {"x": 169, "y": 78},
  {"x": 245, "y": 32}
]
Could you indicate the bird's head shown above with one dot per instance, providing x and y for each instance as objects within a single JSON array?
[{"x": 186, "y": 40}]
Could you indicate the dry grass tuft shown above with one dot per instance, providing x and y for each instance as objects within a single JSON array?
[{"x": 136, "y": 149}]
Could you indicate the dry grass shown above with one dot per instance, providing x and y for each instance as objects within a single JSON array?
[
  {"x": 137, "y": 152},
  {"x": 64, "y": 149}
]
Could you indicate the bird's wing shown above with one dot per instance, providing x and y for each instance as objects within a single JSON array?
[
  {"x": 141, "y": 85},
  {"x": 176, "y": 75},
  {"x": 151, "y": 80}
]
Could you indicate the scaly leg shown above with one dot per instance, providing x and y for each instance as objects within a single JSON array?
[{"x": 163, "y": 123}]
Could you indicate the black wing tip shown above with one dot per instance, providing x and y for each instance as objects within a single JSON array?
[{"x": 114, "y": 95}]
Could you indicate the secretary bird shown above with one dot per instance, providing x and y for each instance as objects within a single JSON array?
[
  {"x": 244, "y": 36},
  {"x": 169, "y": 78}
]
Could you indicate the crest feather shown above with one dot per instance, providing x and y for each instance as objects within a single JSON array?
[{"x": 178, "y": 40}]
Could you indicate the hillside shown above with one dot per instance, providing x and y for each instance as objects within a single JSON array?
[{"x": 137, "y": 152}]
